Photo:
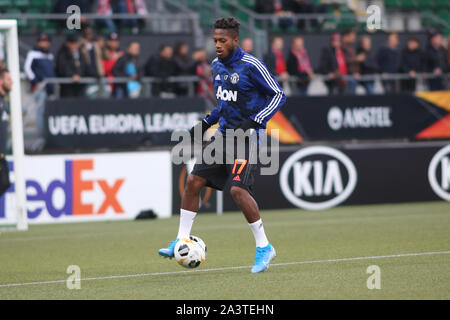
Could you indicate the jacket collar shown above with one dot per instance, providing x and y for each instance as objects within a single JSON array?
[{"x": 235, "y": 56}]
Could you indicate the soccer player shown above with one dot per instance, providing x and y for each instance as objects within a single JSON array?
[{"x": 248, "y": 96}]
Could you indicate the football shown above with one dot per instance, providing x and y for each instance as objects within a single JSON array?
[
  {"x": 200, "y": 242},
  {"x": 189, "y": 253}
]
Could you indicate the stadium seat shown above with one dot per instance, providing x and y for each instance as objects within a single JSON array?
[
  {"x": 43, "y": 25},
  {"x": 248, "y": 3},
  {"x": 425, "y": 4},
  {"x": 442, "y": 4},
  {"x": 50, "y": 27},
  {"x": 4, "y": 4},
  {"x": 426, "y": 21},
  {"x": 348, "y": 21},
  {"x": 392, "y": 4},
  {"x": 192, "y": 3},
  {"x": 22, "y": 4},
  {"x": 443, "y": 15},
  {"x": 224, "y": 4},
  {"x": 41, "y": 5},
  {"x": 22, "y": 24},
  {"x": 408, "y": 4},
  {"x": 242, "y": 16},
  {"x": 330, "y": 24},
  {"x": 206, "y": 17}
]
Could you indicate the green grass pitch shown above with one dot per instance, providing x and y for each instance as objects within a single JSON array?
[{"x": 320, "y": 255}]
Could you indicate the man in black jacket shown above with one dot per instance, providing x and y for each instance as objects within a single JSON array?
[
  {"x": 126, "y": 67},
  {"x": 333, "y": 65},
  {"x": 435, "y": 61},
  {"x": 299, "y": 65},
  {"x": 367, "y": 62},
  {"x": 411, "y": 63},
  {"x": 161, "y": 66},
  {"x": 274, "y": 59},
  {"x": 388, "y": 58},
  {"x": 70, "y": 63}
]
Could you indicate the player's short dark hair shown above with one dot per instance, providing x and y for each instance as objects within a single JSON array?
[{"x": 229, "y": 24}]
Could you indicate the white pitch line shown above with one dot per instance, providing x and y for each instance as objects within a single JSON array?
[{"x": 229, "y": 268}]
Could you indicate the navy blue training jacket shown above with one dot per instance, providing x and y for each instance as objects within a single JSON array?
[{"x": 244, "y": 89}]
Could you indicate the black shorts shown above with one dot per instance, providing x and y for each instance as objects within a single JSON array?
[{"x": 237, "y": 168}]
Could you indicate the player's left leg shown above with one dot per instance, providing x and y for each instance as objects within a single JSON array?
[
  {"x": 242, "y": 167},
  {"x": 265, "y": 252}
]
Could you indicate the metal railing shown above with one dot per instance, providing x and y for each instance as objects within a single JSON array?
[{"x": 192, "y": 81}]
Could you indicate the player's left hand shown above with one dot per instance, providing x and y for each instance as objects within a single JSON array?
[
  {"x": 203, "y": 125},
  {"x": 248, "y": 124}
]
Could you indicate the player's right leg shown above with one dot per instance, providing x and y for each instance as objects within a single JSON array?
[{"x": 189, "y": 207}]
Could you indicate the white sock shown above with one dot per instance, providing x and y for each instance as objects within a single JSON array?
[
  {"x": 258, "y": 231},
  {"x": 186, "y": 222}
]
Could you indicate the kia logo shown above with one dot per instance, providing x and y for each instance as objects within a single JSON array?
[
  {"x": 317, "y": 178},
  {"x": 439, "y": 173}
]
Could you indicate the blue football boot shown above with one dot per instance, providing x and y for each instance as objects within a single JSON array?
[
  {"x": 168, "y": 252},
  {"x": 263, "y": 257}
]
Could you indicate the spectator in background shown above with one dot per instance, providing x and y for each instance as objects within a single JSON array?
[
  {"x": 247, "y": 45},
  {"x": 333, "y": 65},
  {"x": 298, "y": 64},
  {"x": 140, "y": 7},
  {"x": 161, "y": 66},
  {"x": 70, "y": 63},
  {"x": 40, "y": 63},
  {"x": 411, "y": 63},
  {"x": 104, "y": 9},
  {"x": 91, "y": 53},
  {"x": 126, "y": 67},
  {"x": 351, "y": 59},
  {"x": 108, "y": 61},
  {"x": 435, "y": 60},
  {"x": 113, "y": 42},
  {"x": 284, "y": 9},
  {"x": 184, "y": 66},
  {"x": 388, "y": 59},
  {"x": 205, "y": 86},
  {"x": 367, "y": 62},
  {"x": 125, "y": 6},
  {"x": 274, "y": 59}
]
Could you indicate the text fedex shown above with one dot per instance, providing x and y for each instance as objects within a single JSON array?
[{"x": 41, "y": 197}]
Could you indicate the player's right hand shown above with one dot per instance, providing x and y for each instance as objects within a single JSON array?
[{"x": 203, "y": 125}]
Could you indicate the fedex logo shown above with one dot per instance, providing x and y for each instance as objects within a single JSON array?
[{"x": 73, "y": 186}]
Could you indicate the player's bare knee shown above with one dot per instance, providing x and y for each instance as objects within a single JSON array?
[
  {"x": 237, "y": 193},
  {"x": 194, "y": 184}
]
